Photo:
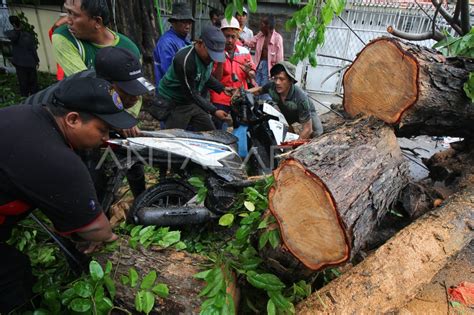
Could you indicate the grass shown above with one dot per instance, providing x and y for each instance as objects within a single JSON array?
[{"x": 9, "y": 90}]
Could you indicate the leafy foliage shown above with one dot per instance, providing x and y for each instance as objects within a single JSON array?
[
  {"x": 240, "y": 257},
  {"x": 311, "y": 22},
  {"x": 460, "y": 46},
  {"x": 152, "y": 235}
]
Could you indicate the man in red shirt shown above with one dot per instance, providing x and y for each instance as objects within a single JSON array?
[{"x": 237, "y": 70}]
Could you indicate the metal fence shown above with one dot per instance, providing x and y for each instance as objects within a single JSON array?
[{"x": 361, "y": 22}]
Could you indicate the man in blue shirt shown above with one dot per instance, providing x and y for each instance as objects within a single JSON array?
[{"x": 173, "y": 40}]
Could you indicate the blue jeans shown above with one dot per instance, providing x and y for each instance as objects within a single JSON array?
[{"x": 261, "y": 76}]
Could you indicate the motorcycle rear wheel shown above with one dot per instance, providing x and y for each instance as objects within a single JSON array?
[{"x": 166, "y": 193}]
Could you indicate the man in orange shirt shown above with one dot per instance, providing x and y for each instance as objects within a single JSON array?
[{"x": 237, "y": 69}]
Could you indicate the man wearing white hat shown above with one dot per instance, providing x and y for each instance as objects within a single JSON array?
[
  {"x": 245, "y": 33},
  {"x": 236, "y": 71}
]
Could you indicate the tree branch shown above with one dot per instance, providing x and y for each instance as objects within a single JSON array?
[
  {"x": 433, "y": 27},
  {"x": 457, "y": 10},
  {"x": 448, "y": 17},
  {"x": 465, "y": 19},
  {"x": 436, "y": 35}
]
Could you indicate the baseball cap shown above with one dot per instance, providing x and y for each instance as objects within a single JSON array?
[
  {"x": 94, "y": 96},
  {"x": 286, "y": 66},
  {"x": 214, "y": 40},
  {"x": 122, "y": 67}
]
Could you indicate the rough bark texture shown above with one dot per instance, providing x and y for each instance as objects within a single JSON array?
[
  {"x": 415, "y": 88},
  {"x": 391, "y": 276},
  {"x": 331, "y": 193},
  {"x": 136, "y": 19},
  {"x": 454, "y": 166},
  {"x": 174, "y": 268}
]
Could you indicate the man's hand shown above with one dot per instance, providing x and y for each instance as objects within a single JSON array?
[
  {"x": 220, "y": 114},
  {"x": 247, "y": 68},
  {"x": 132, "y": 132},
  {"x": 229, "y": 91},
  {"x": 91, "y": 247}
]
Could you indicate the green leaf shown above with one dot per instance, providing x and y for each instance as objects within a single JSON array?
[
  {"x": 249, "y": 205},
  {"x": 280, "y": 301},
  {"x": 180, "y": 246},
  {"x": 266, "y": 281},
  {"x": 469, "y": 86},
  {"x": 263, "y": 239},
  {"x": 124, "y": 279},
  {"x": 170, "y": 238},
  {"x": 80, "y": 305},
  {"x": 83, "y": 289},
  {"x": 274, "y": 238},
  {"x": 161, "y": 289},
  {"x": 271, "y": 309},
  {"x": 99, "y": 293},
  {"x": 108, "y": 267},
  {"x": 263, "y": 224},
  {"x": 229, "y": 11},
  {"x": 67, "y": 295},
  {"x": 96, "y": 270},
  {"x": 203, "y": 274},
  {"x": 196, "y": 182},
  {"x": 226, "y": 219},
  {"x": 133, "y": 275},
  {"x": 148, "y": 280},
  {"x": 110, "y": 285},
  {"x": 148, "y": 302},
  {"x": 252, "y": 5},
  {"x": 41, "y": 311}
]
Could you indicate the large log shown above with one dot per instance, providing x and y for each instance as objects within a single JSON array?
[
  {"x": 415, "y": 88},
  {"x": 331, "y": 193},
  {"x": 392, "y": 276}
]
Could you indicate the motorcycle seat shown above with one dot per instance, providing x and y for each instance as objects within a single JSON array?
[{"x": 220, "y": 136}]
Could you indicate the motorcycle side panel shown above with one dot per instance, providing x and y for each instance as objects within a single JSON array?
[{"x": 202, "y": 152}]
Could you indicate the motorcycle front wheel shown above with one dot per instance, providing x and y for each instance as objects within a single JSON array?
[{"x": 167, "y": 193}]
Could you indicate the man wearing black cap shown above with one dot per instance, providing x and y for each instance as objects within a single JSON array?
[
  {"x": 121, "y": 68},
  {"x": 39, "y": 169},
  {"x": 292, "y": 101},
  {"x": 117, "y": 65},
  {"x": 179, "y": 98},
  {"x": 174, "y": 39}
]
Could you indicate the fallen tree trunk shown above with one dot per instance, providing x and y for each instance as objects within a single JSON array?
[
  {"x": 391, "y": 276},
  {"x": 330, "y": 194},
  {"x": 414, "y": 88},
  {"x": 174, "y": 268}
]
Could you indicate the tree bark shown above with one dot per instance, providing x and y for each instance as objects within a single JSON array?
[
  {"x": 330, "y": 194},
  {"x": 174, "y": 268},
  {"x": 136, "y": 19},
  {"x": 416, "y": 89},
  {"x": 454, "y": 166},
  {"x": 391, "y": 276}
]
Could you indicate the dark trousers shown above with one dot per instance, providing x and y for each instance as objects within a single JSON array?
[
  {"x": 182, "y": 116},
  {"x": 27, "y": 79},
  {"x": 16, "y": 279}
]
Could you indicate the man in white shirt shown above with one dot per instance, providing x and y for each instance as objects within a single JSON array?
[{"x": 246, "y": 32}]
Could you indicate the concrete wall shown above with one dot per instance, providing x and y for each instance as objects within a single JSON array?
[
  {"x": 282, "y": 13},
  {"x": 42, "y": 18}
]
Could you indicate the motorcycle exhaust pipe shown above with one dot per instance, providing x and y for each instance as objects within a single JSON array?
[{"x": 173, "y": 216}]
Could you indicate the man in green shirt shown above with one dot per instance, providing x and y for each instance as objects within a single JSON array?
[
  {"x": 179, "y": 99},
  {"x": 76, "y": 43},
  {"x": 291, "y": 100}
]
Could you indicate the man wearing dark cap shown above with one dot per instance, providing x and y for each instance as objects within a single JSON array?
[
  {"x": 121, "y": 68},
  {"x": 39, "y": 169},
  {"x": 291, "y": 100},
  {"x": 174, "y": 39},
  {"x": 179, "y": 98}
]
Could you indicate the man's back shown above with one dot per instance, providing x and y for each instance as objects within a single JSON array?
[{"x": 38, "y": 167}]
